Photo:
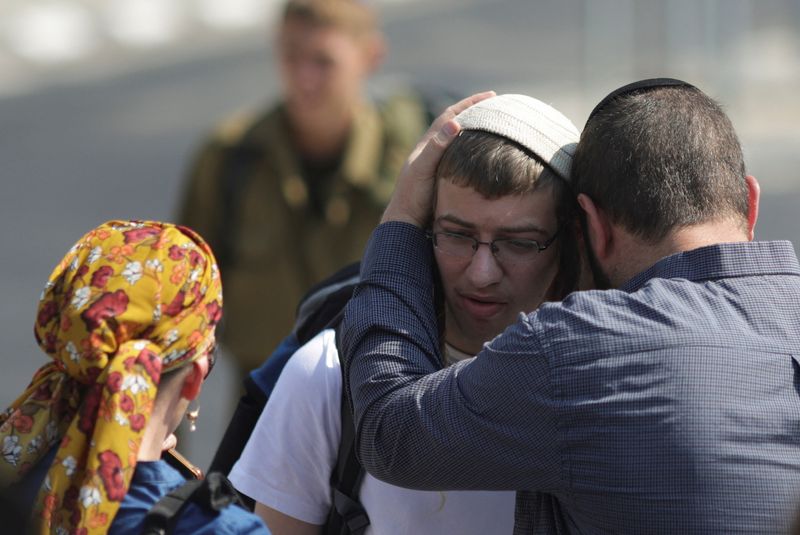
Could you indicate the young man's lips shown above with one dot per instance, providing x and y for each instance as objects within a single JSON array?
[{"x": 481, "y": 307}]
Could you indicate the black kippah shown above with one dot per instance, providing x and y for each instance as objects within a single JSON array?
[{"x": 638, "y": 87}]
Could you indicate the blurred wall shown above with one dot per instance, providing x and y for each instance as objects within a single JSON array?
[{"x": 103, "y": 102}]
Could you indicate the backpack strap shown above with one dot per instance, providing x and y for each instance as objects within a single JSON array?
[
  {"x": 214, "y": 493},
  {"x": 163, "y": 516},
  {"x": 324, "y": 303},
  {"x": 238, "y": 164},
  {"x": 241, "y": 425},
  {"x": 321, "y": 308},
  {"x": 347, "y": 515}
]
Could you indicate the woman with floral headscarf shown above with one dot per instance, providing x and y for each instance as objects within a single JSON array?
[{"x": 128, "y": 319}]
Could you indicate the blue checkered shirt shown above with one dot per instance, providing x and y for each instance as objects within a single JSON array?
[{"x": 670, "y": 405}]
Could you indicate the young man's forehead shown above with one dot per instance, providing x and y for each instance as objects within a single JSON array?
[{"x": 467, "y": 207}]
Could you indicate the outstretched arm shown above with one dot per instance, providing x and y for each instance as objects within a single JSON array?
[{"x": 419, "y": 426}]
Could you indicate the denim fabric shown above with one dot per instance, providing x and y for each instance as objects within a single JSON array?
[{"x": 151, "y": 481}]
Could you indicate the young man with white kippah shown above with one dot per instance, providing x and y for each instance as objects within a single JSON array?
[{"x": 504, "y": 238}]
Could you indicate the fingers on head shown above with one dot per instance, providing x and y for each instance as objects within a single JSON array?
[
  {"x": 471, "y": 100},
  {"x": 446, "y": 133},
  {"x": 455, "y": 109}
]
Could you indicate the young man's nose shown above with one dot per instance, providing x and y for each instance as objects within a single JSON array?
[{"x": 484, "y": 269}]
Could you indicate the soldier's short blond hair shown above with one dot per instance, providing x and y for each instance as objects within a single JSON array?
[{"x": 352, "y": 16}]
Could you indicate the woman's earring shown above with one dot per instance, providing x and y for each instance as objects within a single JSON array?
[{"x": 192, "y": 415}]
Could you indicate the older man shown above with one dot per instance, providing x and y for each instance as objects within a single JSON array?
[{"x": 668, "y": 404}]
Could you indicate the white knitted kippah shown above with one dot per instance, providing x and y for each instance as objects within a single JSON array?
[{"x": 533, "y": 124}]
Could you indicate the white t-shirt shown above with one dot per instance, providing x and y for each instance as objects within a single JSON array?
[{"x": 287, "y": 462}]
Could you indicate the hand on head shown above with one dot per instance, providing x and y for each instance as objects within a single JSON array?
[{"x": 412, "y": 200}]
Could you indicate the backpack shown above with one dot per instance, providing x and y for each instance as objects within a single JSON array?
[{"x": 321, "y": 308}]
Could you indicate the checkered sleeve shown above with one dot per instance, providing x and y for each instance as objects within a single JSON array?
[{"x": 468, "y": 426}]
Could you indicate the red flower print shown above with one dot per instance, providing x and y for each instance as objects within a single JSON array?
[
  {"x": 98, "y": 520},
  {"x": 137, "y": 422},
  {"x": 176, "y": 253},
  {"x": 88, "y": 411},
  {"x": 126, "y": 403},
  {"x": 50, "y": 341},
  {"x": 111, "y": 474},
  {"x": 47, "y": 313},
  {"x": 83, "y": 270},
  {"x": 195, "y": 291},
  {"x": 128, "y": 363},
  {"x": 151, "y": 364},
  {"x": 100, "y": 277},
  {"x": 75, "y": 518},
  {"x": 175, "y": 307},
  {"x": 23, "y": 423},
  {"x": 139, "y": 234},
  {"x": 114, "y": 382},
  {"x": 50, "y": 502},
  {"x": 70, "y": 498},
  {"x": 186, "y": 230},
  {"x": 214, "y": 312},
  {"x": 63, "y": 410},
  {"x": 43, "y": 392},
  {"x": 194, "y": 258},
  {"x": 93, "y": 373},
  {"x": 108, "y": 305}
]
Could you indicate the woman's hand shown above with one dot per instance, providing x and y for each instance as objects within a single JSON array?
[{"x": 170, "y": 442}]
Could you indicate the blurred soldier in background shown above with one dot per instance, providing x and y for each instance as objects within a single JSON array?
[{"x": 287, "y": 196}]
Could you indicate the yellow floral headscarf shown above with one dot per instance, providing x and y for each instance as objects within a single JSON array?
[{"x": 129, "y": 302}]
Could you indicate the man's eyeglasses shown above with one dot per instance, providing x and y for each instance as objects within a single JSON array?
[{"x": 505, "y": 250}]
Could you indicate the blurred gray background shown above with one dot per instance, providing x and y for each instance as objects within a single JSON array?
[{"x": 103, "y": 101}]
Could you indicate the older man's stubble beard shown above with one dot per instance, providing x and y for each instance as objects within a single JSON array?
[{"x": 601, "y": 280}]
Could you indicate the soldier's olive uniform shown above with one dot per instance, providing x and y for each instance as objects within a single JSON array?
[{"x": 279, "y": 232}]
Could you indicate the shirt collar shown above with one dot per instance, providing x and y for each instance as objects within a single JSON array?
[
  {"x": 453, "y": 355},
  {"x": 364, "y": 148},
  {"x": 723, "y": 260},
  {"x": 362, "y": 153}
]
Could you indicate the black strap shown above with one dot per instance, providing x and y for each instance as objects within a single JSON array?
[
  {"x": 322, "y": 307},
  {"x": 347, "y": 515},
  {"x": 163, "y": 516},
  {"x": 238, "y": 165},
  {"x": 214, "y": 493},
  {"x": 241, "y": 425}
]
